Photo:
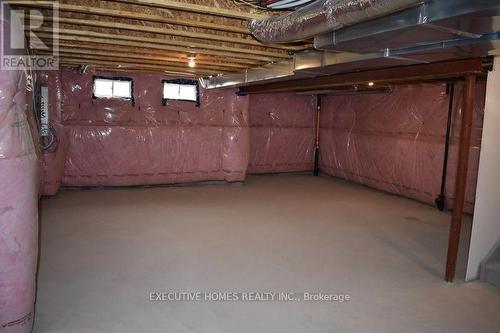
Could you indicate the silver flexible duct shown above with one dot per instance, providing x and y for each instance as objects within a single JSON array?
[{"x": 323, "y": 16}]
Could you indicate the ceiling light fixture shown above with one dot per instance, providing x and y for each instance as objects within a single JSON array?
[{"x": 192, "y": 62}]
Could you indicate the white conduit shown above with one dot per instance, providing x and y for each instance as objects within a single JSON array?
[{"x": 288, "y": 4}]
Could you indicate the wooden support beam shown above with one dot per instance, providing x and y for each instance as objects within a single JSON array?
[
  {"x": 129, "y": 15},
  {"x": 412, "y": 73},
  {"x": 461, "y": 178},
  {"x": 166, "y": 44},
  {"x": 194, "y": 8}
]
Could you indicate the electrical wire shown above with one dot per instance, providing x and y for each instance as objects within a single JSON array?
[
  {"x": 248, "y": 3},
  {"x": 45, "y": 142},
  {"x": 286, "y": 4},
  {"x": 49, "y": 141}
]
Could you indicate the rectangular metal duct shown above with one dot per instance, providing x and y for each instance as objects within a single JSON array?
[
  {"x": 435, "y": 25},
  {"x": 438, "y": 30}
]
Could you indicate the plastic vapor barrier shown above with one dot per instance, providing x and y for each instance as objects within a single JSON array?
[
  {"x": 390, "y": 141},
  {"x": 282, "y": 133},
  {"x": 395, "y": 142},
  {"x": 115, "y": 142},
  {"x": 19, "y": 170}
]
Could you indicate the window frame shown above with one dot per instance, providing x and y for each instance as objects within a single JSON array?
[
  {"x": 181, "y": 82},
  {"x": 116, "y": 78}
]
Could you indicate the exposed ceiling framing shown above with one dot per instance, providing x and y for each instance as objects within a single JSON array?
[
  {"x": 448, "y": 70},
  {"x": 159, "y": 35}
]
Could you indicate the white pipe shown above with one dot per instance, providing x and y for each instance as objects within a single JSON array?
[
  {"x": 289, "y": 4},
  {"x": 280, "y": 3}
]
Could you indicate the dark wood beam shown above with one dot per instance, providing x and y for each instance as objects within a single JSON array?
[
  {"x": 412, "y": 73},
  {"x": 461, "y": 179}
]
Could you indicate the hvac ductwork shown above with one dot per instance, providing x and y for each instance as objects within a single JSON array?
[{"x": 323, "y": 16}]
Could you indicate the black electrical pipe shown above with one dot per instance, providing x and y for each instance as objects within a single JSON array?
[
  {"x": 316, "y": 145},
  {"x": 441, "y": 199}
]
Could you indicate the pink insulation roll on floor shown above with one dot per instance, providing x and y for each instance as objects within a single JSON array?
[{"x": 19, "y": 171}]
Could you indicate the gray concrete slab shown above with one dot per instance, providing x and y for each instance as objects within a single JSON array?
[{"x": 103, "y": 252}]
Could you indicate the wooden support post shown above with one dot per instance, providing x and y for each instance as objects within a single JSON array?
[{"x": 461, "y": 177}]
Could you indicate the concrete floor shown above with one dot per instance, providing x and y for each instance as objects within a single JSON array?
[{"x": 103, "y": 252}]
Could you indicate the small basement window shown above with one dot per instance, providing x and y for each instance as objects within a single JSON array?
[
  {"x": 181, "y": 90},
  {"x": 112, "y": 88}
]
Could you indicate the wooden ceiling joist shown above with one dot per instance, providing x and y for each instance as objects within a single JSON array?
[
  {"x": 209, "y": 46},
  {"x": 157, "y": 35},
  {"x": 124, "y": 64},
  {"x": 69, "y": 48},
  {"x": 118, "y": 49},
  {"x": 127, "y": 69},
  {"x": 103, "y": 41},
  {"x": 161, "y": 31},
  {"x": 126, "y": 59},
  {"x": 195, "y": 8},
  {"x": 130, "y": 15},
  {"x": 164, "y": 44}
]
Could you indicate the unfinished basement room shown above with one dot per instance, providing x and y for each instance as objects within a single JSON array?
[{"x": 250, "y": 166}]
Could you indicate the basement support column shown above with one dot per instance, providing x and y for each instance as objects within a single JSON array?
[{"x": 461, "y": 178}]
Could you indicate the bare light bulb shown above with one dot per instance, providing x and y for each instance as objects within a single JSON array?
[
  {"x": 191, "y": 62},
  {"x": 371, "y": 84}
]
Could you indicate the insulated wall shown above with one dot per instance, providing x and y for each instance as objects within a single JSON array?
[
  {"x": 395, "y": 141},
  {"x": 112, "y": 142},
  {"x": 19, "y": 170},
  {"x": 389, "y": 141},
  {"x": 282, "y": 133}
]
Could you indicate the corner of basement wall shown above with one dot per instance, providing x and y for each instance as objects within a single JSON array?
[
  {"x": 236, "y": 151},
  {"x": 394, "y": 142},
  {"x": 486, "y": 223},
  {"x": 282, "y": 135}
]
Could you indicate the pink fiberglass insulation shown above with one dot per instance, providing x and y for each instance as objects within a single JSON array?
[
  {"x": 395, "y": 142},
  {"x": 19, "y": 170},
  {"x": 282, "y": 133},
  {"x": 115, "y": 142}
]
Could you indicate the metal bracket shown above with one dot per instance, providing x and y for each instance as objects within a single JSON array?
[
  {"x": 488, "y": 63},
  {"x": 240, "y": 92}
]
